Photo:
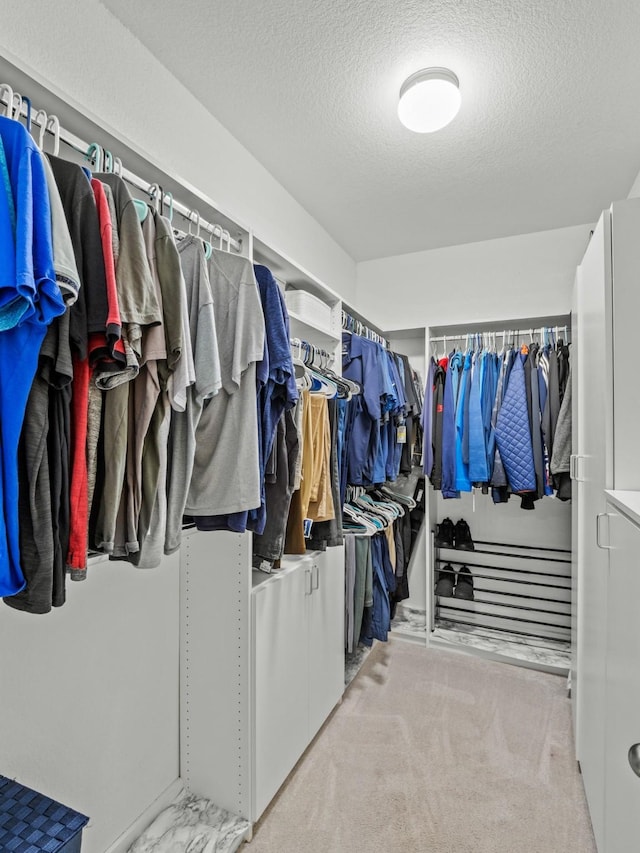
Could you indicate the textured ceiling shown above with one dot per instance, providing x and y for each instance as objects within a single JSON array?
[{"x": 548, "y": 133}]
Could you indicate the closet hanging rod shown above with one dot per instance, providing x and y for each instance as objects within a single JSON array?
[
  {"x": 353, "y": 325},
  {"x": 508, "y": 333},
  {"x": 81, "y": 147}
]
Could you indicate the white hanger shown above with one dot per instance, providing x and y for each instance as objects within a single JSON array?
[
  {"x": 53, "y": 125},
  {"x": 16, "y": 106},
  {"x": 5, "y": 89},
  {"x": 41, "y": 114},
  {"x": 197, "y": 234},
  {"x": 154, "y": 193}
]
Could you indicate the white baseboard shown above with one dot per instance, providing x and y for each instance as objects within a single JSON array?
[{"x": 124, "y": 841}]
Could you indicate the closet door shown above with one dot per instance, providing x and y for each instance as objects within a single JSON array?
[
  {"x": 575, "y": 514},
  {"x": 593, "y": 468},
  {"x": 326, "y": 636},
  {"x": 625, "y": 229},
  {"x": 280, "y": 679},
  {"x": 622, "y": 784}
]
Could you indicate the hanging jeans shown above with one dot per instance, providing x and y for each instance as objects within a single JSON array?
[{"x": 383, "y": 585}]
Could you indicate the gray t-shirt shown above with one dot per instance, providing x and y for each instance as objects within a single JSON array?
[
  {"x": 226, "y": 476},
  {"x": 206, "y": 364},
  {"x": 136, "y": 292}
]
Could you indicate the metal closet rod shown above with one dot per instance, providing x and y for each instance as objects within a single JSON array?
[
  {"x": 85, "y": 148},
  {"x": 508, "y": 333}
]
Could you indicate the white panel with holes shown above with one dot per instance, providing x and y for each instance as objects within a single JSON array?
[{"x": 215, "y": 668}]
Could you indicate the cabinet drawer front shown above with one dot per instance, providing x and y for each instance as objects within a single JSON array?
[{"x": 280, "y": 681}]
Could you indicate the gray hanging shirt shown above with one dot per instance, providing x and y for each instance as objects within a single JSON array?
[{"x": 226, "y": 475}]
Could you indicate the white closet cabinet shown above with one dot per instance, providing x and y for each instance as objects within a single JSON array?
[
  {"x": 262, "y": 666},
  {"x": 280, "y": 675},
  {"x": 299, "y": 662},
  {"x": 591, "y": 363},
  {"x": 622, "y": 685},
  {"x": 605, "y": 414},
  {"x": 325, "y": 609}
]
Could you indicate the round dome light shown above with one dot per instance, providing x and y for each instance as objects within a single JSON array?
[{"x": 429, "y": 100}]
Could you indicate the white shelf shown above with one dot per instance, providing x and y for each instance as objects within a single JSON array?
[
  {"x": 302, "y": 328},
  {"x": 628, "y": 502}
]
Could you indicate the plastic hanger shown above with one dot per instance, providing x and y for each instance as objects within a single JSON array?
[
  {"x": 208, "y": 245},
  {"x": 40, "y": 119},
  {"x": 95, "y": 154},
  {"x": 5, "y": 89},
  {"x": 322, "y": 385},
  {"x": 27, "y": 101},
  {"x": 16, "y": 106},
  {"x": 53, "y": 125},
  {"x": 142, "y": 209},
  {"x": 156, "y": 194},
  {"x": 197, "y": 215},
  {"x": 170, "y": 213}
]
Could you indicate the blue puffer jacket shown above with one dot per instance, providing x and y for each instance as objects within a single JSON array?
[{"x": 513, "y": 434}]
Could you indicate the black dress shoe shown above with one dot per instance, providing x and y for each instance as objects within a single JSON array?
[
  {"x": 464, "y": 584},
  {"x": 462, "y": 536},
  {"x": 444, "y": 586},
  {"x": 444, "y": 534}
]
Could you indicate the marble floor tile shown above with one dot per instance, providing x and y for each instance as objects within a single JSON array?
[
  {"x": 410, "y": 621},
  {"x": 554, "y": 653},
  {"x": 353, "y": 662},
  {"x": 193, "y": 824}
]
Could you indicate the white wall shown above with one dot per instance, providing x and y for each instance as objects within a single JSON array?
[
  {"x": 524, "y": 276},
  {"x": 84, "y": 54},
  {"x": 89, "y": 695},
  {"x": 634, "y": 192}
]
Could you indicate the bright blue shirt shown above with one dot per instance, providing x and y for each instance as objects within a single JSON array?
[
  {"x": 29, "y": 300},
  {"x": 32, "y": 289}
]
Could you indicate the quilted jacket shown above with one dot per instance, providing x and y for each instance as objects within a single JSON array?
[{"x": 513, "y": 433}]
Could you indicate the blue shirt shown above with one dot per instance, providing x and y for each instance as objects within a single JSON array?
[
  {"x": 29, "y": 300},
  {"x": 29, "y": 288}
]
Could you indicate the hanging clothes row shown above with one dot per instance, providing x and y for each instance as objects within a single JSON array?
[
  {"x": 150, "y": 373},
  {"x": 381, "y": 429},
  {"x": 500, "y": 421},
  {"x": 350, "y": 324},
  {"x": 314, "y": 520},
  {"x": 381, "y": 528}
]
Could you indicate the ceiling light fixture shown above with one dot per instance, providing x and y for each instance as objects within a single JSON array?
[{"x": 429, "y": 100}]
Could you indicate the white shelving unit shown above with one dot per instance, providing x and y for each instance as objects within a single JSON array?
[
  {"x": 605, "y": 414},
  {"x": 303, "y": 327},
  {"x": 549, "y": 525},
  {"x": 150, "y": 680}
]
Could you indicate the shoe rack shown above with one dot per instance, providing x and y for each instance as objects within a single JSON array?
[{"x": 501, "y": 593}]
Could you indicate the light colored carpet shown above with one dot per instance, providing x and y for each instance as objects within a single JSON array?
[{"x": 436, "y": 752}]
